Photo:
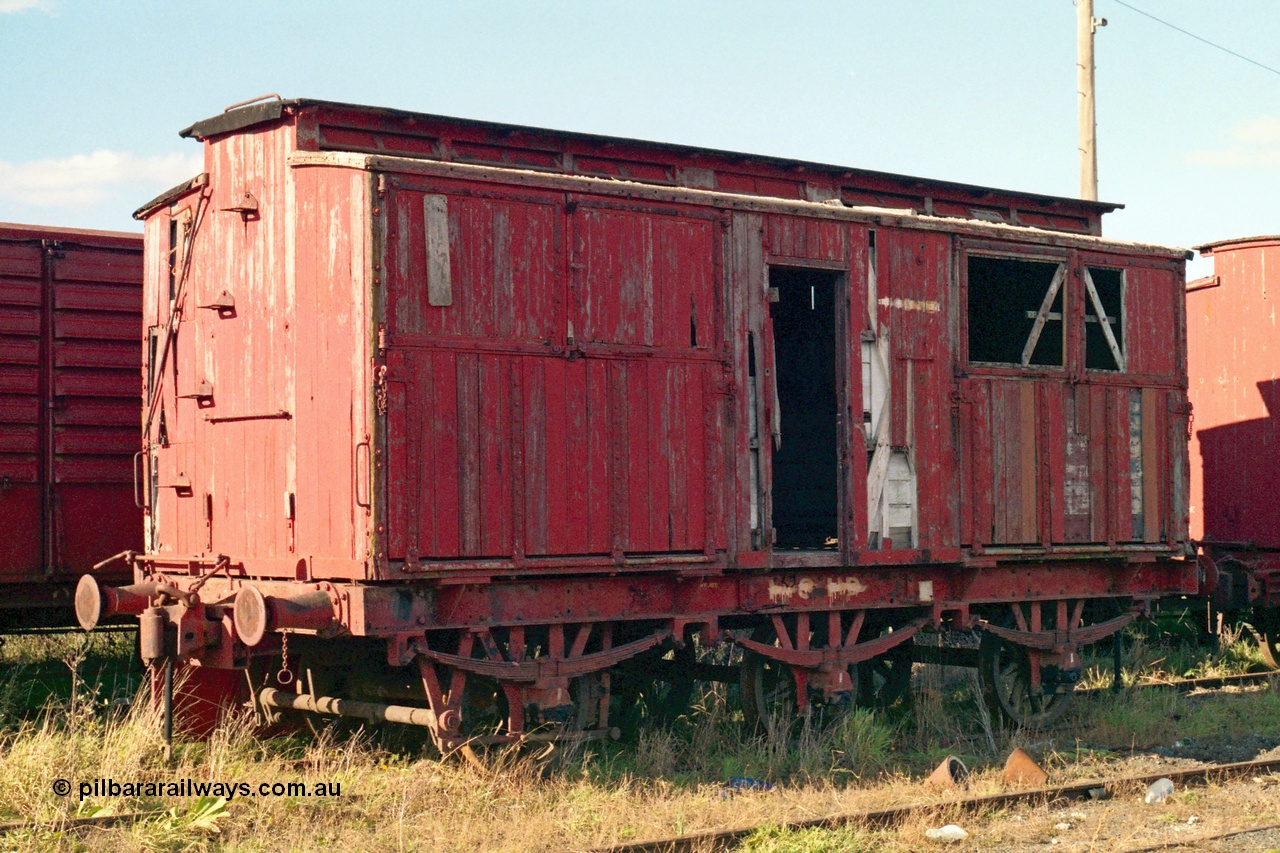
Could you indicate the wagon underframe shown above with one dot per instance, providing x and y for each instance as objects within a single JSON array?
[{"x": 541, "y": 642}]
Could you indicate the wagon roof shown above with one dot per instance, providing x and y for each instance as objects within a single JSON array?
[
  {"x": 1239, "y": 243},
  {"x": 241, "y": 117},
  {"x": 89, "y": 236}
]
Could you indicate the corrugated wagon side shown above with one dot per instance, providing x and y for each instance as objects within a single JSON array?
[
  {"x": 478, "y": 425},
  {"x": 69, "y": 400}
]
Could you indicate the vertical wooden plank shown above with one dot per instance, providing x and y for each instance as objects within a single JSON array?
[
  {"x": 850, "y": 322},
  {"x": 694, "y": 473},
  {"x": 470, "y": 519},
  {"x": 398, "y": 467},
  {"x": 1152, "y": 470},
  {"x": 986, "y": 495},
  {"x": 1053, "y": 445},
  {"x": 1028, "y": 470},
  {"x": 1118, "y": 470},
  {"x": 656, "y": 484},
  {"x": 1100, "y": 497},
  {"x": 1007, "y": 439},
  {"x": 495, "y": 456},
  {"x": 639, "y": 394},
  {"x": 671, "y": 293},
  {"x": 619, "y": 453},
  {"x": 601, "y": 429},
  {"x": 684, "y": 443},
  {"x": 578, "y": 462},
  {"x": 1002, "y": 442},
  {"x": 443, "y": 455},
  {"x": 1076, "y": 488},
  {"x": 535, "y": 455},
  {"x": 966, "y": 444},
  {"x": 746, "y": 284},
  {"x": 519, "y": 478},
  {"x": 439, "y": 272},
  {"x": 559, "y": 469}
]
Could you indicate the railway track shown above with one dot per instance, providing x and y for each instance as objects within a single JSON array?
[
  {"x": 724, "y": 839},
  {"x": 1186, "y": 685}
]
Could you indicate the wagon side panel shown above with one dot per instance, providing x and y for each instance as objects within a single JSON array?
[
  {"x": 96, "y": 395},
  {"x": 333, "y": 469},
  {"x": 1233, "y": 352},
  {"x": 552, "y": 378},
  {"x": 21, "y": 284}
]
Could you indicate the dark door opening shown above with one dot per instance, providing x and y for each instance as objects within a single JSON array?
[{"x": 805, "y": 466}]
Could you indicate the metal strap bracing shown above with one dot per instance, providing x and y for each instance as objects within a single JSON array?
[
  {"x": 850, "y": 652},
  {"x": 175, "y": 307},
  {"x": 551, "y": 667}
]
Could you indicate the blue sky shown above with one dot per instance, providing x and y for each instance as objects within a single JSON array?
[{"x": 93, "y": 93}]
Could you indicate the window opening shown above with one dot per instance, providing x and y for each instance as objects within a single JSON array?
[
  {"x": 693, "y": 321},
  {"x": 1015, "y": 311},
  {"x": 173, "y": 257},
  {"x": 753, "y": 431},
  {"x": 1104, "y": 319},
  {"x": 153, "y": 346},
  {"x": 805, "y": 469}
]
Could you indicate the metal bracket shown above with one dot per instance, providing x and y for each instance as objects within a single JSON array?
[
  {"x": 203, "y": 395},
  {"x": 224, "y": 304},
  {"x": 181, "y": 484},
  {"x": 247, "y": 207}
]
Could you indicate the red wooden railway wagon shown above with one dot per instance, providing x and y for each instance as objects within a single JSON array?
[
  {"x": 470, "y": 423},
  {"x": 70, "y": 305},
  {"x": 1234, "y": 364}
]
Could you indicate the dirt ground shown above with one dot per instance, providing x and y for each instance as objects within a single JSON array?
[{"x": 1188, "y": 819}]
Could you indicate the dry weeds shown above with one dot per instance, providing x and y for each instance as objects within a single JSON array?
[{"x": 669, "y": 782}]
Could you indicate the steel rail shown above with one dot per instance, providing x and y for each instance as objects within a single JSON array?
[
  {"x": 1189, "y": 684},
  {"x": 1175, "y": 843},
  {"x": 885, "y": 818},
  {"x": 80, "y": 822}
]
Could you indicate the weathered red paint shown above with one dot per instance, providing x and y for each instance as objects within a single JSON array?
[
  {"x": 498, "y": 390},
  {"x": 1233, "y": 358},
  {"x": 69, "y": 358},
  {"x": 1235, "y": 446}
]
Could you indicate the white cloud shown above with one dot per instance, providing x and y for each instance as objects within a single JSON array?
[
  {"x": 84, "y": 180},
  {"x": 8, "y": 7},
  {"x": 1252, "y": 144}
]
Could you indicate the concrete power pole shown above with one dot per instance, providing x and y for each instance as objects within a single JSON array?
[{"x": 1086, "y": 26}]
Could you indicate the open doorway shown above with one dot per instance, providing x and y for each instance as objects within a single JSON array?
[{"x": 805, "y": 461}]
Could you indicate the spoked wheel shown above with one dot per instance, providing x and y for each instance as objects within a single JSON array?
[
  {"x": 769, "y": 692},
  {"x": 1265, "y": 627},
  {"x": 886, "y": 680},
  {"x": 1004, "y": 671}
]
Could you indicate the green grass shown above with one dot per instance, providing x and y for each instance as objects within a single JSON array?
[
  {"x": 774, "y": 839},
  {"x": 1173, "y": 648}
]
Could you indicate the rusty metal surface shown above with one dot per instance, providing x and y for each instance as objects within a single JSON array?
[
  {"x": 69, "y": 402},
  {"x": 1233, "y": 360}
]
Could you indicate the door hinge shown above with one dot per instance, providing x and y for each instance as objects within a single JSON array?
[{"x": 380, "y": 389}]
